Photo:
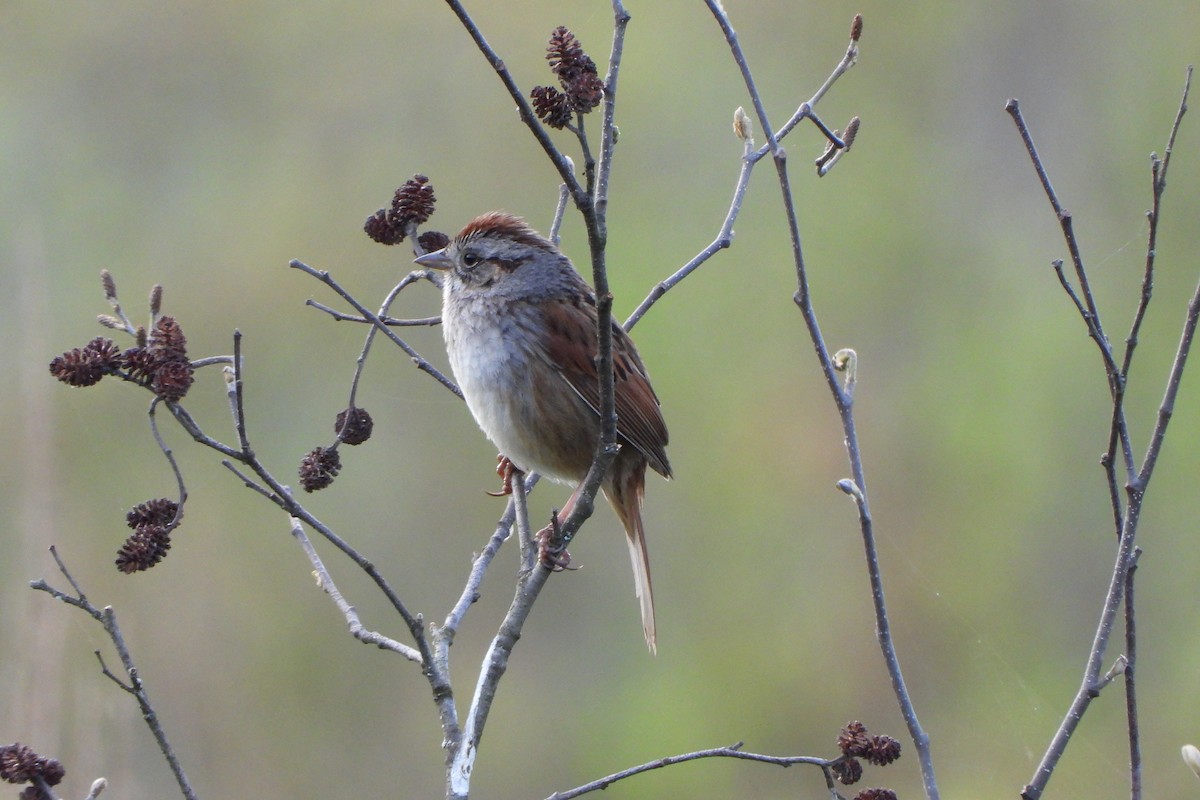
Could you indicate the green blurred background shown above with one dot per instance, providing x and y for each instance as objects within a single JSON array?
[{"x": 201, "y": 145}]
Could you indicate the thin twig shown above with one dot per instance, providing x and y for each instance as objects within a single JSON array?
[
  {"x": 361, "y": 362},
  {"x": 62, "y": 567},
  {"x": 750, "y": 158},
  {"x": 731, "y": 751},
  {"x": 1121, "y": 580},
  {"x": 528, "y": 116},
  {"x": 1131, "y": 705},
  {"x": 238, "y": 402},
  {"x": 326, "y": 584},
  {"x": 1167, "y": 407},
  {"x": 1158, "y": 185},
  {"x": 585, "y": 150},
  {"x": 721, "y": 241},
  {"x": 524, "y": 532},
  {"x": 418, "y": 360},
  {"x": 279, "y": 494},
  {"x": 560, "y": 210},
  {"x": 211, "y": 361},
  {"x": 108, "y": 673},
  {"x": 247, "y": 481},
  {"x": 391, "y": 322},
  {"x": 1093, "y": 682},
  {"x": 193, "y": 429},
  {"x": 1158, "y": 174},
  {"x": 842, "y": 399},
  {"x": 170, "y": 454},
  {"x": 608, "y": 133},
  {"x": 443, "y": 636},
  {"x": 143, "y": 698},
  {"x": 273, "y": 490},
  {"x": 1091, "y": 317},
  {"x": 108, "y": 619}
]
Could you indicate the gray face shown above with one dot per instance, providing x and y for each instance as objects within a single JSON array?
[
  {"x": 510, "y": 269},
  {"x": 480, "y": 264}
]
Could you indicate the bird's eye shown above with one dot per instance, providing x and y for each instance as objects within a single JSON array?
[{"x": 471, "y": 260}]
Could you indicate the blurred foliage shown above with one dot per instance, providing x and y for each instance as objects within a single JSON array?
[{"x": 203, "y": 145}]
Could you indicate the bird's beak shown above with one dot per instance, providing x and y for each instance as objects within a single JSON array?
[{"x": 435, "y": 260}]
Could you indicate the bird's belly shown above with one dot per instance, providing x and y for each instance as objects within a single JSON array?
[{"x": 502, "y": 385}]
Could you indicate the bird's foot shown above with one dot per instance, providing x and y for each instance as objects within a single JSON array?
[
  {"x": 552, "y": 550},
  {"x": 505, "y": 469}
]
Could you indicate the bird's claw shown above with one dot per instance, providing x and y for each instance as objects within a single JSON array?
[
  {"x": 552, "y": 550},
  {"x": 505, "y": 469}
]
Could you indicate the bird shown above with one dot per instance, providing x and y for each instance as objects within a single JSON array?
[{"x": 520, "y": 327}]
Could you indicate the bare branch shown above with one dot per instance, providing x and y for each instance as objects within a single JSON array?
[
  {"x": 249, "y": 482},
  {"x": 277, "y": 493},
  {"x": 594, "y": 212},
  {"x": 495, "y": 663},
  {"x": 722, "y": 241},
  {"x": 108, "y": 618},
  {"x": 842, "y": 399},
  {"x": 393, "y": 322},
  {"x": 1121, "y": 582},
  {"x": 608, "y": 135},
  {"x": 460, "y": 751},
  {"x": 1128, "y": 667},
  {"x": 1091, "y": 316},
  {"x": 731, "y": 751},
  {"x": 1158, "y": 173},
  {"x": 444, "y": 635},
  {"x": 1092, "y": 681},
  {"x": 561, "y": 162},
  {"x": 325, "y": 583},
  {"x": 560, "y": 210},
  {"x": 62, "y": 567},
  {"x": 421, "y": 363},
  {"x": 360, "y": 363},
  {"x": 1167, "y": 407},
  {"x": 193, "y": 429},
  {"x": 106, "y": 672},
  {"x": 170, "y": 454},
  {"x": 750, "y": 158}
]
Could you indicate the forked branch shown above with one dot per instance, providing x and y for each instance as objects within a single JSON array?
[
  {"x": 1137, "y": 479},
  {"x": 107, "y": 618}
]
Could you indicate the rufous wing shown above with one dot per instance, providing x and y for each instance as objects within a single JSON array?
[{"x": 572, "y": 348}]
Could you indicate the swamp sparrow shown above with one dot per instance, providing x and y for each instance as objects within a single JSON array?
[{"x": 520, "y": 329}]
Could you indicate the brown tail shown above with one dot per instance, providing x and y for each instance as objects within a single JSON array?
[{"x": 626, "y": 500}]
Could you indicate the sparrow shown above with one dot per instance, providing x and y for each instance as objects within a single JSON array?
[{"x": 520, "y": 329}]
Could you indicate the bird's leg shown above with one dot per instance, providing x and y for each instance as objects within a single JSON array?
[
  {"x": 552, "y": 550},
  {"x": 505, "y": 469},
  {"x": 552, "y": 553}
]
